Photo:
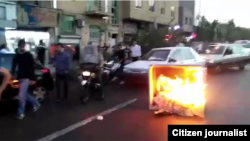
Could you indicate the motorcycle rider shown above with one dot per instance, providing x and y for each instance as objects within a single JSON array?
[{"x": 92, "y": 56}]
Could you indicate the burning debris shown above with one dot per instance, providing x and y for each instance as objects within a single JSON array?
[{"x": 184, "y": 95}]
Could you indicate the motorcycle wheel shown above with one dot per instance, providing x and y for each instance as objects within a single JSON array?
[{"x": 85, "y": 95}]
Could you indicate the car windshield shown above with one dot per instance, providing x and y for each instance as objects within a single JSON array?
[
  {"x": 156, "y": 55},
  {"x": 213, "y": 50},
  {"x": 246, "y": 46}
]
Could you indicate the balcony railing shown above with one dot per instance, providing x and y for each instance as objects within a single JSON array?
[{"x": 98, "y": 8}]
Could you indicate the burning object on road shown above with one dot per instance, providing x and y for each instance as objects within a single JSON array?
[{"x": 177, "y": 90}]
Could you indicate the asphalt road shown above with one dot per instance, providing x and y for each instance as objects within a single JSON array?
[{"x": 227, "y": 103}]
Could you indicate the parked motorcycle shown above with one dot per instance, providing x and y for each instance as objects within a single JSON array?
[{"x": 89, "y": 83}]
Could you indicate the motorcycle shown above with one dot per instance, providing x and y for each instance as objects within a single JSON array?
[{"x": 89, "y": 83}]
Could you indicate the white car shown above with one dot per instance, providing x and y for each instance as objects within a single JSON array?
[
  {"x": 138, "y": 71},
  {"x": 247, "y": 47},
  {"x": 221, "y": 56}
]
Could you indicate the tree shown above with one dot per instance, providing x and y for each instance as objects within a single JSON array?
[{"x": 216, "y": 31}]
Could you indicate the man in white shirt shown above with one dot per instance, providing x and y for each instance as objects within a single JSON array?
[{"x": 135, "y": 51}]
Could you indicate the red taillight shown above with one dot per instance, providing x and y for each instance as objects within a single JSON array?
[{"x": 45, "y": 70}]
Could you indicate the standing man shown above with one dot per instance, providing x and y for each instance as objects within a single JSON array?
[
  {"x": 62, "y": 64},
  {"x": 41, "y": 49},
  {"x": 26, "y": 72},
  {"x": 136, "y": 51},
  {"x": 119, "y": 55}
]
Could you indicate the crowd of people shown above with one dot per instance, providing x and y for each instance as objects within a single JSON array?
[{"x": 61, "y": 57}]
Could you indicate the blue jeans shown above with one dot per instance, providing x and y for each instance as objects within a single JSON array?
[{"x": 25, "y": 96}]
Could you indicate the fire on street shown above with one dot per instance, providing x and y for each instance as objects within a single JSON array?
[{"x": 227, "y": 103}]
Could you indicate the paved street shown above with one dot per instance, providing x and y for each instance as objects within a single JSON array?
[{"x": 227, "y": 103}]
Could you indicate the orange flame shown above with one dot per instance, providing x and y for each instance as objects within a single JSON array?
[{"x": 189, "y": 93}]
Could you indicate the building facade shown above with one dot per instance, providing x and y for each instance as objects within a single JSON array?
[
  {"x": 137, "y": 14},
  {"x": 8, "y": 18},
  {"x": 187, "y": 15}
]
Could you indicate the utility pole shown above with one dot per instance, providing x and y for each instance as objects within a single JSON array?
[{"x": 155, "y": 17}]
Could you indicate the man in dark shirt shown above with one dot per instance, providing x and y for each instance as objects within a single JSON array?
[
  {"x": 119, "y": 55},
  {"x": 41, "y": 49},
  {"x": 62, "y": 63},
  {"x": 26, "y": 72}
]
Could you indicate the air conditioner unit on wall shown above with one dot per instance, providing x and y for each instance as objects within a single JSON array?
[{"x": 80, "y": 23}]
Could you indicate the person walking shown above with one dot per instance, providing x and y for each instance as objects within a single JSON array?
[
  {"x": 41, "y": 49},
  {"x": 62, "y": 61},
  {"x": 136, "y": 51},
  {"x": 25, "y": 73}
]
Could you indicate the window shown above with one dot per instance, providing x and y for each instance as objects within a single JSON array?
[
  {"x": 162, "y": 10},
  {"x": 246, "y": 46},
  {"x": 157, "y": 55},
  {"x": 151, "y": 5},
  {"x": 238, "y": 49},
  {"x": 138, "y": 3},
  {"x": 114, "y": 11},
  {"x": 190, "y": 21},
  {"x": 172, "y": 12},
  {"x": 228, "y": 51},
  {"x": 186, "y": 20},
  {"x": 36, "y": 2},
  {"x": 188, "y": 55},
  {"x": 67, "y": 24},
  {"x": 214, "y": 49},
  {"x": 2, "y": 13},
  {"x": 106, "y": 6},
  {"x": 176, "y": 56}
]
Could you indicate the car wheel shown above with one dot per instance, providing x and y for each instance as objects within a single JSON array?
[
  {"x": 39, "y": 93},
  {"x": 242, "y": 67}
]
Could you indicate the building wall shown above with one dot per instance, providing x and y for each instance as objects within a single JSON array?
[
  {"x": 78, "y": 8},
  {"x": 186, "y": 19},
  {"x": 143, "y": 13},
  {"x": 47, "y": 4},
  {"x": 187, "y": 11}
]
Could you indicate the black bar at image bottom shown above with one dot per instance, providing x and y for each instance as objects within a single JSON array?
[{"x": 208, "y": 132}]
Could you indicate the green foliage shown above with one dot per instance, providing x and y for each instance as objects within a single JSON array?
[
  {"x": 151, "y": 39},
  {"x": 215, "y": 31}
]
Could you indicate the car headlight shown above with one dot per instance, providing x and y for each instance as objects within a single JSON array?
[
  {"x": 86, "y": 73},
  {"x": 110, "y": 63}
]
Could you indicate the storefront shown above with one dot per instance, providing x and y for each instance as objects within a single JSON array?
[
  {"x": 129, "y": 29},
  {"x": 33, "y": 24},
  {"x": 68, "y": 36},
  {"x": 32, "y": 39}
]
